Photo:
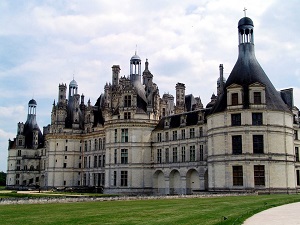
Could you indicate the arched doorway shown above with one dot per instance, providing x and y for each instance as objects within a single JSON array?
[
  {"x": 192, "y": 181},
  {"x": 175, "y": 183},
  {"x": 159, "y": 184}
]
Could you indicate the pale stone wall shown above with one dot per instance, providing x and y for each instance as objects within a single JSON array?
[{"x": 278, "y": 155}]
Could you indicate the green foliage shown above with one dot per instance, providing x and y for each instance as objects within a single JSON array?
[
  {"x": 165, "y": 211},
  {"x": 2, "y": 178}
]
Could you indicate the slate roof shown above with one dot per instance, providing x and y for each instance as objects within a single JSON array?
[
  {"x": 247, "y": 71},
  {"x": 191, "y": 119}
]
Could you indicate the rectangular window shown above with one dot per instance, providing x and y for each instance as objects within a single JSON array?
[
  {"x": 236, "y": 119},
  {"x": 175, "y": 154},
  {"x": 234, "y": 99},
  {"x": 127, "y": 101},
  {"x": 127, "y": 115},
  {"x": 124, "y": 178},
  {"x": 237, "y": 144},
  {"x": 201, "y": 131},
  {"x": 298, "y": 177},
  {"x": 124, "y": 156},
  {"x": 192, "y": 132},
  {"x": 100, "y": 143},
  {"x": 174, "y": 135},
  {"x": 258, "y": 144},
  {"x": 257, "y": 119},
  {"x": 103, "y": 161},
  {"x": 99, "y": 161},
  {"x": 66, "y": 148},
  {"x": 237, "y": 175},
  {"x": 85, "y": 162},
  {"x": 296, "y": 135},
  {"x": 192, "y": 153},
  {"x": 116, "y": 156},
  {"x": 124, "y": 135},
  {"x": 84, "y": 179},
  {"x": 257, "y": 97},
  {"x": 19, "y": 152},
  {"x": 167, "y": 136},
  {"x": 90, "y": 145},
  {"x": 259, "y": 175},
  {"x": 95, "y": 161},
  {"x": 116, "y": 135},
  {"x": 183, "y": 134},
  {"x": 115, "y": 178},
  {"x": 95, "y": 144},
  {"x": 158, "y": 137},
  {"x": 167, "y": 155},
  {"x": 85, "y": 146},
  {"x": 20, "y": 143},
  {"x": 65, "y": 165},
  {"x": 201, "y": 158},
  {"x": 18, "y": 161},
  {"x": 297, "y": 154},
  {"x": 158, "y": 155},
  {"x": 182, "y": 154}
]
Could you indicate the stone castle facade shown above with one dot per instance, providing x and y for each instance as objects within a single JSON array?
[{"x": 133, "y": 141}]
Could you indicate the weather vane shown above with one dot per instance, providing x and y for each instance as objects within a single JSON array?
[{"x": 244, "y": 11}]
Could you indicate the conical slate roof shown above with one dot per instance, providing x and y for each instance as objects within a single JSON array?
[{"x": 247, "y": 71}]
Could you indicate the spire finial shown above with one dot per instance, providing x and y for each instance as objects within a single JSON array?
[
  {"x": 135, "y": 49},
  {"x": 245, "y": 11}
]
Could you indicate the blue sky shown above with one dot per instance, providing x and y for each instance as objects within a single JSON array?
[{"x": 46, "y": 42}]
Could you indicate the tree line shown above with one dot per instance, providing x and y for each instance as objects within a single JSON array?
[{"x": 2, "y": 178}]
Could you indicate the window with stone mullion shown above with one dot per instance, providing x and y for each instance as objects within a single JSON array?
[
  {"x": 127, "y": 101},
  {"x": 258, "y": 144},
  {"x": 259, "y": 175},
  {"x": 237, "y": 144},
  {"x": 237, "y": 175}
]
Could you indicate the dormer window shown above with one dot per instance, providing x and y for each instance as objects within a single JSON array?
[
  {"x": 127, "y": 101},
  {"x": 257, "y": 97},
  {"x": 167, "y": 123},
  {"x": 183, "y": 120},
  {"x": 234, "y": 99},
  {"x": 234, "y": 96}
]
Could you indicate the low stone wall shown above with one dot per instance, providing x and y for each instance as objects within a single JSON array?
[{"x": 70, "y": 199}]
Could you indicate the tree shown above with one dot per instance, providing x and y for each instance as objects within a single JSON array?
[{"x": 2, "y": 178}]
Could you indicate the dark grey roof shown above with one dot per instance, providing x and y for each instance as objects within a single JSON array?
[
  {"x": 245, "y": 21},
  {"x": 191, "y": 119},
  {"x": 247, "y": 71},
  {"x": 29, "y": 127},
  {"x": 32, "y": 102}
]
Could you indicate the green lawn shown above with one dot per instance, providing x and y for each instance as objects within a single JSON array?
[{"x": 166, "y": 211}]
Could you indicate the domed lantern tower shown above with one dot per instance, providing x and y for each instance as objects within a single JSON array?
[{"x": 135, "y": 68}]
